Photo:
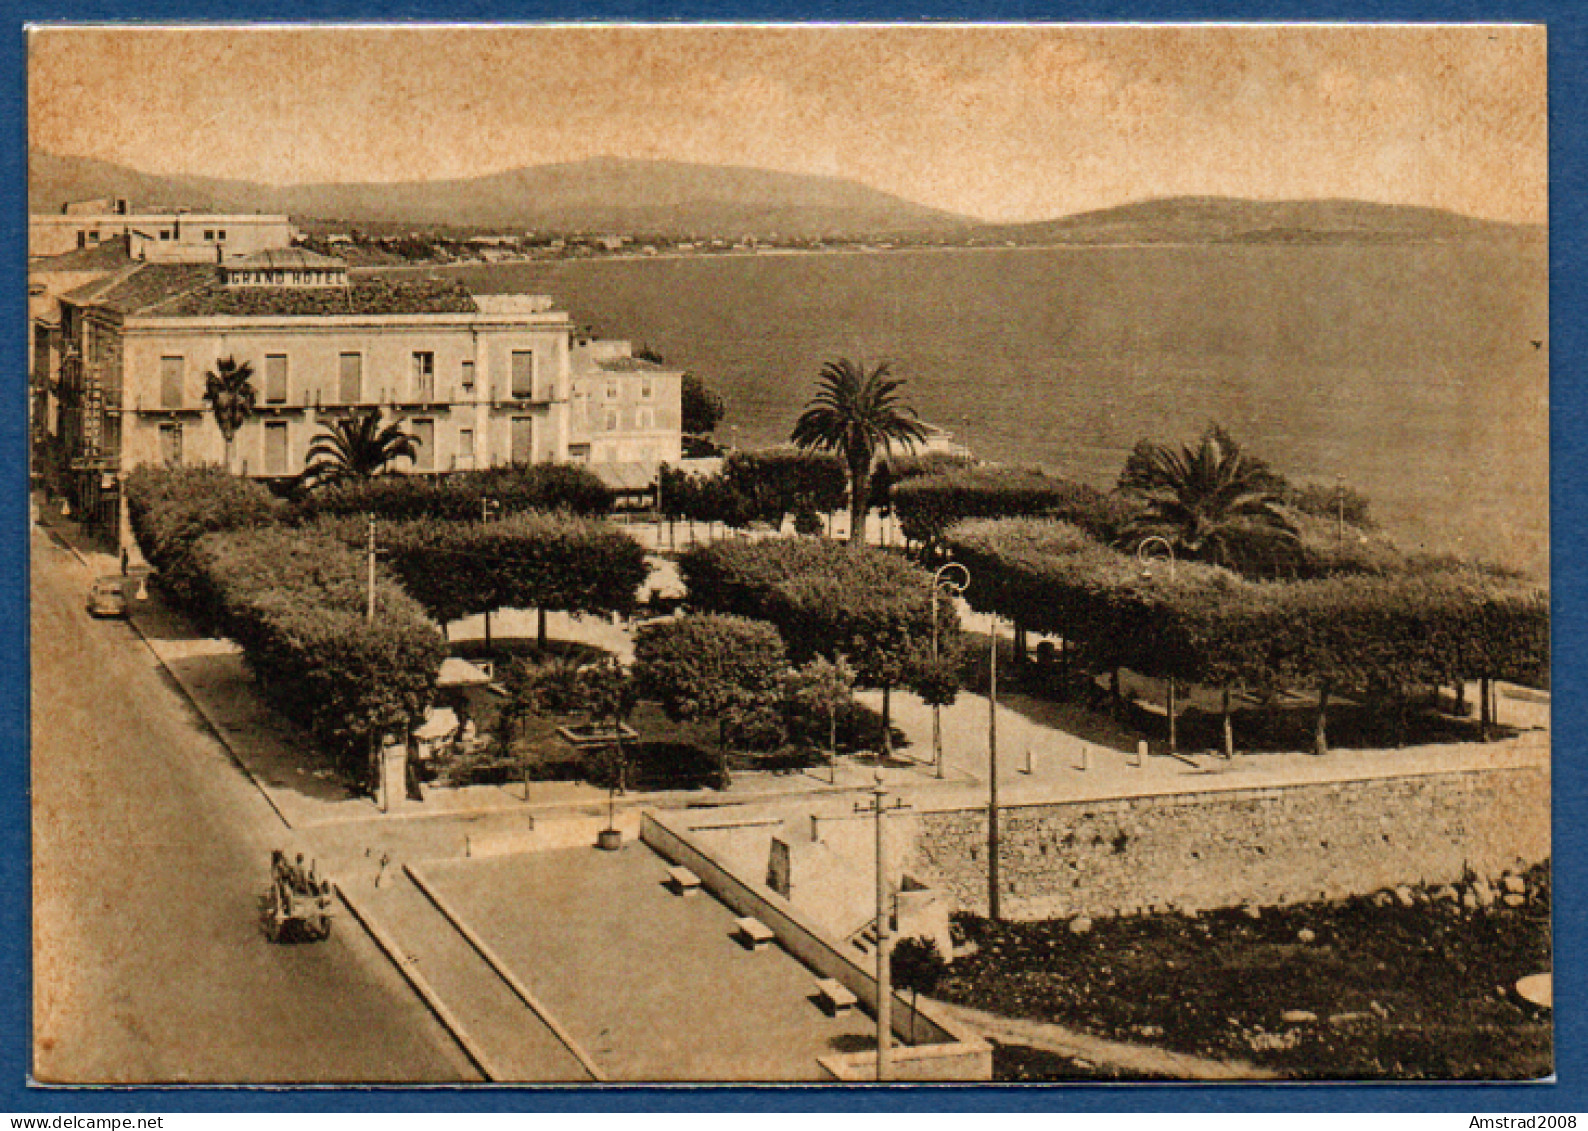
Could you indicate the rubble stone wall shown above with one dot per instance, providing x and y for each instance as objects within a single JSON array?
[{"x": 1226, "y": 848}]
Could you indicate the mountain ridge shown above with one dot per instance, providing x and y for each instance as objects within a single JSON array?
[
  {"x": 568, "y": 196},
  {"x": 619, "y": 194}
]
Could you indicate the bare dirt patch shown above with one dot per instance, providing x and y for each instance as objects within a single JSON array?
[{"x": 1415, "y": 986}]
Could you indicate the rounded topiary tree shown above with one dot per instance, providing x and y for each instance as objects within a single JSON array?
[{"x": 709, "y": 667}]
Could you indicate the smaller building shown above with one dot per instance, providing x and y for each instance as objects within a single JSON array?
[
  {"x": 624, "y": 410},
  {"x": 158, "y": 237}
]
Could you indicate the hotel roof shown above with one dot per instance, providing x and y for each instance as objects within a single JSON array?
[
  {"x": 194, "y": 290},
  {"x": 285, "y": 259}
]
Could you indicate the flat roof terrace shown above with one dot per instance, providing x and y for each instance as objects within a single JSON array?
[{"x": 653, "y": 985}]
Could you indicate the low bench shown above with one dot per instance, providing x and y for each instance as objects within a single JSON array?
[
  {"x": 682, "y": 881},
  {"x": 833, "y": 996},
  {"x": 753, "y": 933}
]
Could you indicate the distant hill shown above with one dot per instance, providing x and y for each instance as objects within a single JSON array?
[
  {"x": 601, "y": 194},
  {"x": 1217, "y": 219},
  {"x": 623, "y": 195}
]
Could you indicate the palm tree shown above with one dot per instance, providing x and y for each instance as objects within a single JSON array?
[
  {"x": 229, "y": 391},
  {"x": 1205, "y": 499},
  {"x": 357, "y": 447},
  {"x": 856, "y": 414}
]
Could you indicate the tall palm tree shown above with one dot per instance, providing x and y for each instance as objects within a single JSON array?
[
  {"x": 1205, "y": 499},
  {"x": 856, "y": 414},
  {"x": 357, "y": 447},
  {"x": 229, "y": 391}
]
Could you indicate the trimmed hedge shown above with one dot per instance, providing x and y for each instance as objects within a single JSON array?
[
  {"x": 172, "y": 508},
  {"x": 1207, "y": 625},
  {"x": 528, "y": 560},
  {"x": 759, "y": 486},
  {"x": 459, "y": 495},
  {"x": 928, "y": 505},
  {"x": 826, "y": 598},
  {"x": 295, "y": 602}
]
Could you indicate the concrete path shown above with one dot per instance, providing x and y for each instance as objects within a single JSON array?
[
  {"x": 1135, "y": 1059},
  {"x": 507, "y": 1040}
]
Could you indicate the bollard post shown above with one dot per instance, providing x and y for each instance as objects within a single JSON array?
[
  {"x": 1141, "y": 753},
  {"x": 1085, "y": 757}
]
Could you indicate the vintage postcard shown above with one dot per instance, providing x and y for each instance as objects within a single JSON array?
[{"x": 628, "y": 554}]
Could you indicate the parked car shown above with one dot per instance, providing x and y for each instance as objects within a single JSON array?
[{"x": 107, "y": 597}]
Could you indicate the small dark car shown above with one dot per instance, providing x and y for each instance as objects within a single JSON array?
[{"x": 107, "y": 597}]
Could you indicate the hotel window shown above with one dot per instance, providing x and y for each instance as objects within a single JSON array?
[
  {"x": 209, "y": 234},
  {"x": 467, "y": 378},
  {"x": 171, "y": 445},
  {"x": 645, "y": 419},
  {"x": 612, "y": 389},
  {"x": 165, "y": 233},
  {"x": 425, "y": 437},
  {"x": 424, "y": 376},
  {"x": 221, "y": 234},
  {"x": 524, "y": 374},
  {"x": 466, "y": 444},
  {"x": 276, "y": 448},
  {"x": 276, "y": 378},
  {"x": 350, "y": 378},
  {"x": 523, "y": 440},
  {"x": 612, "y": 420},
  {"x": 647, "y": 387},
  {"x": 171, "y": 382}
]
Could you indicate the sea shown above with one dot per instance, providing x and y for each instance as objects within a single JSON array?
[{"x": 1417, "y": 373}]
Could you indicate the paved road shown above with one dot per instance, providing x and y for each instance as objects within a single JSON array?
[{"x": 150, "y": 854}]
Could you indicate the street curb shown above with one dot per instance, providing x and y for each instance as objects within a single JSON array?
[
  {"x": 212, "y": 726},
  {"x": 496, "y": 964},
  {"x": 421, "y": 985}
]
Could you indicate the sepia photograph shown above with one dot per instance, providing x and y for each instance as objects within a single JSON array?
[{"x": 730, "y": 554}]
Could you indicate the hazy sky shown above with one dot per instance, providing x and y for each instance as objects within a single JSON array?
[{"x": 1003, "y": 123}]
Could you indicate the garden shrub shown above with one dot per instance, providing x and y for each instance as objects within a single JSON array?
[
  {"x": 725, "y": 668},
  {"x": 832, "y": 599},
  {"x": 171, "y": 508},
  {"x": 295, "y": 602},
  {"x": 1207, "y": 625},
  {"x": 459, "y": 496},
  {"x": 526, "y": 560},
  {"x": 928, "y": 505}
]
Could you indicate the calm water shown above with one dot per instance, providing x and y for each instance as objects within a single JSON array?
[{"x": 1410, "y": 370}]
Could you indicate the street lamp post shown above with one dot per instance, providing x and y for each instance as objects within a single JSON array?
[
  {"x": 1144, "y": 556},
  {"x": 879, "y": 809},
  {"x": 994, "y": 901},
  {"x": 941, "y": 580}
]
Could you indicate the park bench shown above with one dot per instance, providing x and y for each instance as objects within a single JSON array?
[
  {"x": 833, "y": 996},
  {"x": 682, "y": 881},
  {"x": 753, "y": 933}
]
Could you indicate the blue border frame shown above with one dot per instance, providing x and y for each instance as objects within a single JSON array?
[{"x": 1568, "y": 128}]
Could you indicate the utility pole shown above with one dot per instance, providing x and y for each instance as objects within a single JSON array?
[
  {"x": 879, "y": 808},
  {"x": 994, "y": 903},
  {"x": 488, "y": 507},
  {"x": 369, "y": 611},
  {"x": 1339, "y": 516}
]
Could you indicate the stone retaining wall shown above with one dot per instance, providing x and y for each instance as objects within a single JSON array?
[{"x": 1226, "y": 848}]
